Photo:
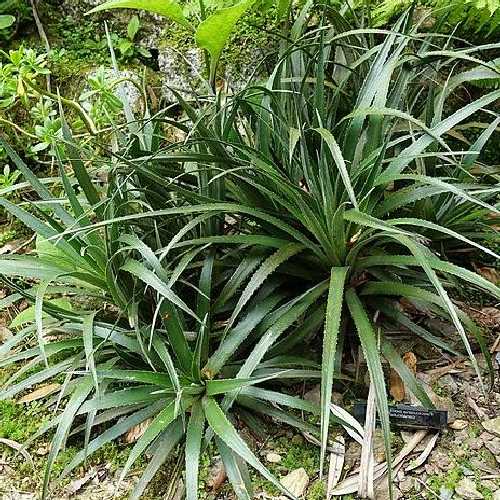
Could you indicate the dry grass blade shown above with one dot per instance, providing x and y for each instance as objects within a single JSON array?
[
  {"x": 39, "y": 393},
  {"x": 337, "y": 456},
  {"x": 18, "y": 447},
  {"x": 350, "y": 484},
  {"x": 365, "y": 487},
  {"x": 424, "y": 455}
]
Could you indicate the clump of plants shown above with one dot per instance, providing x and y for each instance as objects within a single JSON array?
[
  {"x": 297, "y": 217},
  {"x": 29, "y": 107}
]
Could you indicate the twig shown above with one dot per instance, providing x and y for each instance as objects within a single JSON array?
[
  {"x": 427, "y": 488},
  {"x": 42, "y": 34},
  {"x": 365, "y": 486},
  {"x": 18, "y": 128}
]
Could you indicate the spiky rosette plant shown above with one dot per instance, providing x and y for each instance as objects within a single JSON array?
[
  {"x": 145, "y": 341},
  {"x": 341, "y": 166},
  {"x": 289, "y": 218}
]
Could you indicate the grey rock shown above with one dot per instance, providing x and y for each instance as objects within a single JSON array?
[
  {"x": 180, "y": 71},
  {"x": 406, "y": 485},
  {"x": 445, "y": 403},
  {"x": 441, "y": 460},
  {"x": 448, "y": 383},
  {"x": 378, "y": 446},
  {"x": 492, "y": 426},
  {"x": 466, "y": 488},
  {"x": 314, "y": 396},
  {"x": 126, "y": 90},
  {"x": 445, "y": 493},
  {"x": 273, "y": 458},
  {"x": 352, "y": 455},
  {"x": 382, "y": 491},
  {"x": 474, "y": 443},
  {"x": 296, "y": 481},
  {"x": 485, "y": 464},
  {"x": 493, "y": 445}
]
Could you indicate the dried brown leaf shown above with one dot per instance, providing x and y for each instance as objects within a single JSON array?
[
  {"x": 136, "y": 432},
  {"x": 489, "y": 273},
  {"x": 488, "y": 317},
  {"x": 396, "y": 385},
  {"x": 425, "y": 454},
  {"x": 39, "y": 393},
  {"x": 5, "y": 333}
]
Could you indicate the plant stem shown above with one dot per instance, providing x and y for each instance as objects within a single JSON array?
[
  {"x": 18, "y": 128},
  {"x": 89, "y": 124}
]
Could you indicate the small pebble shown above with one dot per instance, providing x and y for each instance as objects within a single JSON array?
[{"x": 273, "y": 458}]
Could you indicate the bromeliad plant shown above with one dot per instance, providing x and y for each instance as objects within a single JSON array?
[
  {"x": 294, "y": 212},
  {"x": 147, "y": 356},
  {"x": 341, "y": 166}
]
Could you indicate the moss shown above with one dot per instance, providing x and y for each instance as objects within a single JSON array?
[
  {"x": 474, "y": 429},
  {"x": 445, "y": 481},
  {"x": 203, "y": 474},
  {"x": 305, "y": 455},
  {"x": 19, "y": 422},
  {"x": 294, "y": 456},
  {"x": 316, "y": 491}
]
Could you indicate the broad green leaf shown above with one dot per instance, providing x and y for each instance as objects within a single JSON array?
[
  {"x": 133, "y": 27},
  {"x": 283, "y": 8},
  {"x": 28, "y": 314},
  {"x": 213, "y": 33},
  {"x": 6, "y": 21},
  {"x": 167, "y": 8}
]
